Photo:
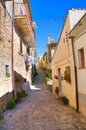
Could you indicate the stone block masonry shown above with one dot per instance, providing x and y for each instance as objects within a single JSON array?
[{"x": 5, "y": 51}]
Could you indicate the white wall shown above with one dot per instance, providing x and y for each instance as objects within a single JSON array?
[
  {"x": 75, "y": 15},
  {"x": 9, "y": 7},
  {"x": 81, "y": 43}
]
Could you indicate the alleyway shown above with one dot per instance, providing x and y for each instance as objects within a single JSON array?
[{"x": 41, "y": 111}]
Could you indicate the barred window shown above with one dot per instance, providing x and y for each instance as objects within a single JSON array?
[{"x": 7, "y": 71}]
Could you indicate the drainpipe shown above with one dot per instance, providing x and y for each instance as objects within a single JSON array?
[
  {"x": 12, "y": 48},
  {"x": 76, "y": 83}
]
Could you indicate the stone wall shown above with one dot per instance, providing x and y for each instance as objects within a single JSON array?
[
  {"x": 6, "y": 55},
  {"x": 5, "y": 51}
]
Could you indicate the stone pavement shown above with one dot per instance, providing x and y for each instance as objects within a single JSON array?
[{"x": 42, "y": 111}]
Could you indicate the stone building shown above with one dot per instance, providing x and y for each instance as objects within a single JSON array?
[
  {"x": 16, "y": 42},
  {"x": 63, "y": 63},
  {"x": 5, "y": 51}
]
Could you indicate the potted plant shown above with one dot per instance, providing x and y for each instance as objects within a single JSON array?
[
  {"x": 11, "y": 103},
  {"x": 65, "y": 100}
]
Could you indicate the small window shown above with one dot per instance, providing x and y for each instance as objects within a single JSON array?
[
  {"x": 7, "y": 71},
  {"x": 67, "y": 74},
  {"x": 81, "y": 58},
  {"x": 20, "y": 45},
  {"x": 28, "y": 51}
]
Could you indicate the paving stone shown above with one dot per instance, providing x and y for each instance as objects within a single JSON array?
[{"x": 41, "y": 111}]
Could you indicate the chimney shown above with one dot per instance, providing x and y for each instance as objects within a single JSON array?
[{"x": 48, "y": 38}]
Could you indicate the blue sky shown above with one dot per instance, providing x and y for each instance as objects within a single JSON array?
[{"x": 49, "y": 16}]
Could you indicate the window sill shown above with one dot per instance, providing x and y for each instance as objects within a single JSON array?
[{"x": 7, "y": 78}]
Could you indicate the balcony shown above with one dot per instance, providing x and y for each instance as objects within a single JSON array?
[
  {"x": 25, "y": 1},
  {"x": 23, "y": 23}
]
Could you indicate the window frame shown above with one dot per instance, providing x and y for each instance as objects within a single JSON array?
[
  {"x": 67, "y": 74},
  {"x": 21, "y": 47},
  {"x": 81, "y": 58},
  {"x": 7, "y": 69}
]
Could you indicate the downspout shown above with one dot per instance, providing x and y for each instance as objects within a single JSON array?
[
  {"x": 76, "y": 83},
  {"x": 12, "y": 48}
]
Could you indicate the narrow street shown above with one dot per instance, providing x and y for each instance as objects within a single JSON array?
[{"x": 42, "y": 111}]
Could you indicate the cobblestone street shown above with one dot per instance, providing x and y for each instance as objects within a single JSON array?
[{"x": 42, "y": 111}]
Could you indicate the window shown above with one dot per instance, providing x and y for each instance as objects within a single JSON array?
[
  {"x": 81, "y": 58},
  {"x": 28, "y": 51},
  {"x": 67, "y": 74},
  {"x": 7, "y": 71},
  {"x": 20, "y": 45}
]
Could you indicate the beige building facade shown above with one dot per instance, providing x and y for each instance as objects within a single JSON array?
[
  {"x": 78, "y": 34},
  {"x": 62, "y": 62}
]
